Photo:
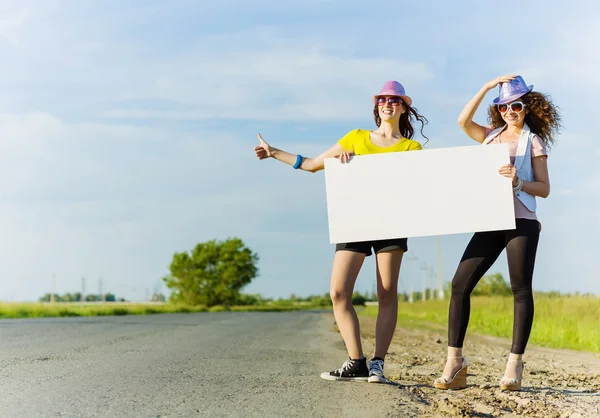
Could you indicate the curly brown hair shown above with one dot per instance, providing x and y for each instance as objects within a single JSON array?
[
  {"x": 405, "y": 122},
  {"x": 543, "y": 117}
]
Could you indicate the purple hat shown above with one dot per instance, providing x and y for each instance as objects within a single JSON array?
[
  {"x": 393, "y": 88},
  {"x": 512, "y": 90}
]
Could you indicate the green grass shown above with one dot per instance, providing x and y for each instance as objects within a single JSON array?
[
  {"x": 277, "y": 308},
  {"x": 41, "y": 310},
  {"x": 571, "y": 322}
]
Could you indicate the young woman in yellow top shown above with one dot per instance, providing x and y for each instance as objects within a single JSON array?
[{"x": 393, "y": 115}]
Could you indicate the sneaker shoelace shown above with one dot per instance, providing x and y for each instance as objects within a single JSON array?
[
  {"x": 348, "y": 364},
  {"x": 377, "y": 367}
]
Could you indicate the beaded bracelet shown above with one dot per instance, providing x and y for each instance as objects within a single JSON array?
[{"x": 519, "y": 185}]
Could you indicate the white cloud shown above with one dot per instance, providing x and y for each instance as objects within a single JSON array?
[
  {"x": 267, "y": 75},
  {"x": 12, "y": 18},
  {"x": 564, "y": 66},
  {"x": 261, "y": 73},
  {"x": 116, "y": 201},
  {"x": 124, "y": 138}
]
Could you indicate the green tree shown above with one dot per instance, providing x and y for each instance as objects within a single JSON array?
[
  {"x": 158, "y": 297},
  {"x": 71, "y": 297},
  {"x": 492, "y": 285},
  {"x": 213, "y": 274},
  {"x": 47, "y": 297},
  {"x": 358, "y": 299}
]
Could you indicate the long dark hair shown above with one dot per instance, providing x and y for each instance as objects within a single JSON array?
[
  {"x": 543, "y": 117},
  {"x": 405, "y": 122}
]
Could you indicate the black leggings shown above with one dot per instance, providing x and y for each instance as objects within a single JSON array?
[{"x": 483, "y": 250}]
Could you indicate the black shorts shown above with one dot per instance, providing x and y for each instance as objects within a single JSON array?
[{"x": 378, "y": 246}]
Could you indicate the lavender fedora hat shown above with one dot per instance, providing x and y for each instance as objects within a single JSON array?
[
  {"x": 512, "y": 90},
  {"x": 393, "y": 88}
]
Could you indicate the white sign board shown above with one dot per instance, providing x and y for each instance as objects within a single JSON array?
[{"x": 419, "y": 193}]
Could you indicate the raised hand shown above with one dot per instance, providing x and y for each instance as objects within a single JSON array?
[
  {"x": 263, "y": 150},
  {"x": 510, "y": 171},
  {"x": 500, "y": 79},
  {"x": 345, "y": 157}
]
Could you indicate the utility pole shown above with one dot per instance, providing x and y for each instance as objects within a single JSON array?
[
  {"x": 400, "y": 286},
  {"x": 431, "y": 280},
  {"x": 424, "y": 280},
  {"x": 82, "y": 298},
  {"x": 101, "y": 296},
  {"x": 53, "y": 287},
  {"x": 440, "y": 281},
  {"x": 410, "y": 283}
]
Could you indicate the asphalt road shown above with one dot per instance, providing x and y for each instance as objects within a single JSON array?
[{"x": 182, "y": 365}]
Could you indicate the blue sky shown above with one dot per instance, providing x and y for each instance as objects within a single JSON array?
[{"x": 127, "y": 129}]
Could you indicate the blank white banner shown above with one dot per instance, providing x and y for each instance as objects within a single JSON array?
[{"x": 419, "y": 193}]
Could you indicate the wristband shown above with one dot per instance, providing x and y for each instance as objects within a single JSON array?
[{"x": 298, "y": 162}]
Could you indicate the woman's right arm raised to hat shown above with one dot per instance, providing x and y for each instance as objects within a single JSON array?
[
  {"x": 264, "y": 150},
  {"x": 465, "y": 119}
]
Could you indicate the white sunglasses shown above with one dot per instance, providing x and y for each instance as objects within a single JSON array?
[{"x": 516, "y": 107}]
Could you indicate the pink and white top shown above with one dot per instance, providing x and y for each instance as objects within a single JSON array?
[{"x": 538, "y": 148}]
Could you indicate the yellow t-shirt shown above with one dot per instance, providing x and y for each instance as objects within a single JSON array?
[{"x": 359, "y": 142}]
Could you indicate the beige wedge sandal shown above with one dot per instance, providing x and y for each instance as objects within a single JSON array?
[
  {"x": 513, "y": 384},
  {"x": 458, "y": 381}
]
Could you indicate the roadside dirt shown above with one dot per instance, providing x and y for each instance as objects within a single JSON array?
[{"x": 556, "y": 383}]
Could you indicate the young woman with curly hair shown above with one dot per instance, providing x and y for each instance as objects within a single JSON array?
[
  {"x": 393, "y": 116},
  {"x": 527, "y": 121}
]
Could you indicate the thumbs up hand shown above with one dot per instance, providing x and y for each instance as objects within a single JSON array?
[{"x": 263, "y": 150}]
